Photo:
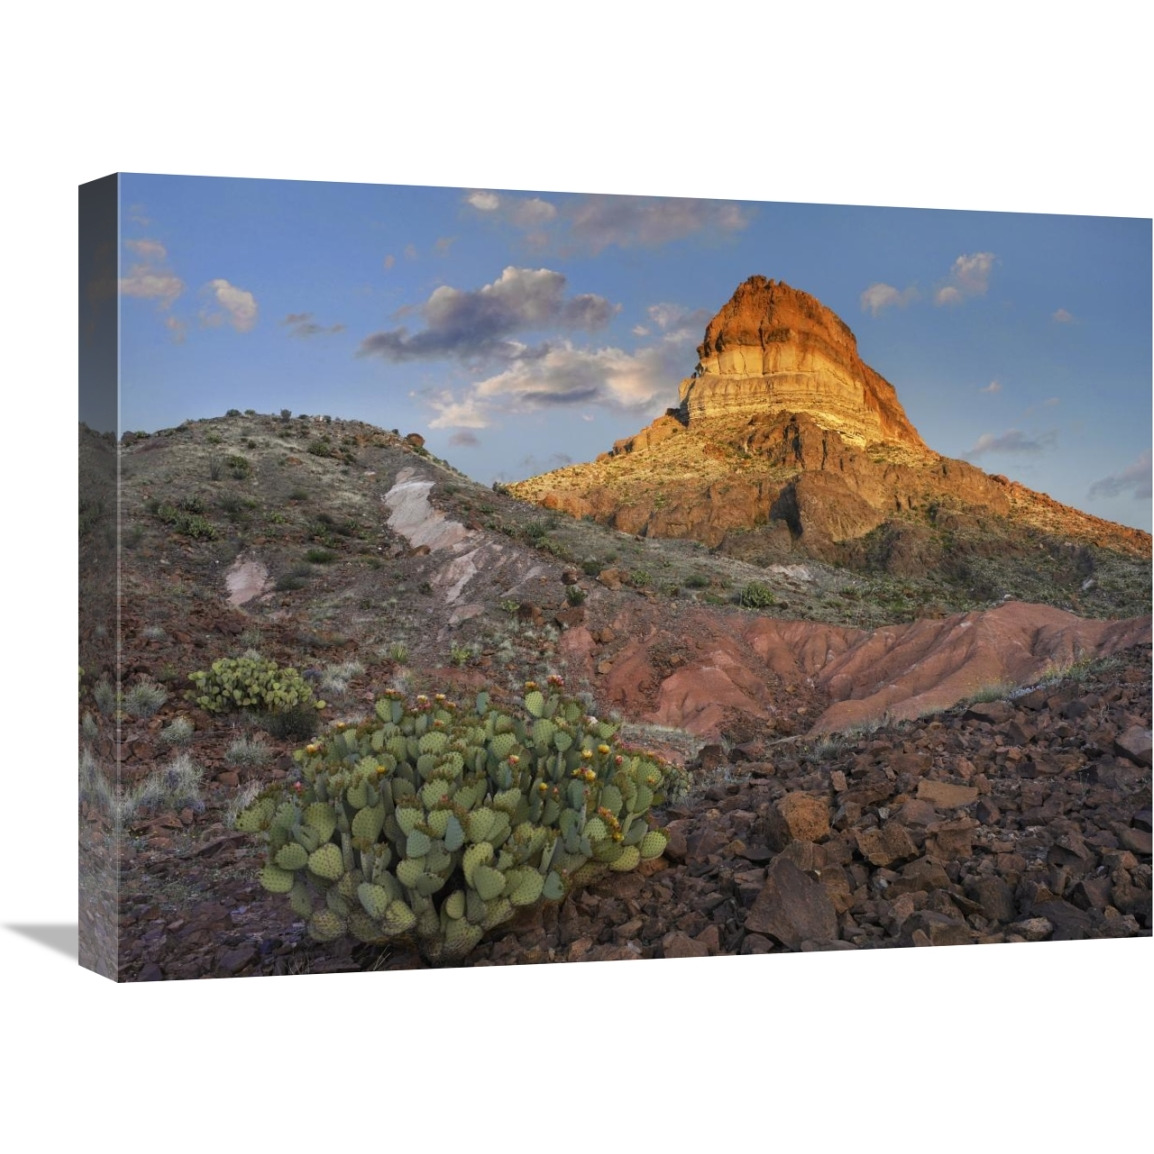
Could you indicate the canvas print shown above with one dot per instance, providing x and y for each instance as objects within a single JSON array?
[{"x": 474, "y": 576}]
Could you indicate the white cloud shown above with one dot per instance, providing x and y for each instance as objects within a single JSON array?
[
  {"x": 677, "y": 323},
  {"x": 235, "y": 305},
  {"x": 457, "y": 414},
  {"x": 880, "y": 296},
  {"x": 969, "y": 277},
  {"x": 1012, "y": 441},
  {"x": 389, "y": 261},
  {"x": 484, "y": 201},
  {"x": 1063, "y": 317},
  {"x": 150, "y": 250},
  {"x": 150, "y": 278},
  {"x": 992, "y": 387},
  {"x": 560, "y": 374},
  {"x": 148, "y": 283},
  {"x": 1135, "y": 479}
]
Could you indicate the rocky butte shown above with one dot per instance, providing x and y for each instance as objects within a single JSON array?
[{"x": 786, "y": 445}]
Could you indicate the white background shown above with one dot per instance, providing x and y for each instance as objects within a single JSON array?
[{"x": 974, "y": 106}]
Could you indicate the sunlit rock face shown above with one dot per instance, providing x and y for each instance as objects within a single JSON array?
[{"x": 773, "y": 348}]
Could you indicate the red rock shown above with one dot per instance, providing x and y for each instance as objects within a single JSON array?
[
  {"x": 678, "y": 944},
  {"x": 1135, "y": 744},
  {"x": 945, "y": 795},
  {"x": 805, "y": 817},
  {"x": 887, "y": 845}
]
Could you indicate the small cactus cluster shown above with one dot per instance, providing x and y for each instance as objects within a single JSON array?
[
  {"x": 251, "y": 682},
  {"x": 439, "y": 823}
]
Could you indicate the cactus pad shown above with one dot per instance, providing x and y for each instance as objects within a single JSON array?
[
  {"x": 276, "y": 880},
  {"x": 630, "y": 856},
  {"x": 488, "y": 882},
  {"x": 327, "y": 862},
  {"x": 292, "y": 857},
  {"x": 653, "y": 844},
  {"x": 321, "y": 818}
]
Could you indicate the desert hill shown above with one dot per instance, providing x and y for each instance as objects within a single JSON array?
[{"x": 786, "y": 446}]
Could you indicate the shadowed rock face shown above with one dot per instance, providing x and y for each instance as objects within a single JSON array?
[{"x": 775, "y": 349}]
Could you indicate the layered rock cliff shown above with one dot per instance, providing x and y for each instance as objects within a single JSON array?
[{"x": 774, "y": 349}]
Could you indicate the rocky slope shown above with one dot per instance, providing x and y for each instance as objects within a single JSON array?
[
  {"x": 1025, "y": 819},
  {"x": 348, "y": 553},
  {"x": 785, "y": 444}
]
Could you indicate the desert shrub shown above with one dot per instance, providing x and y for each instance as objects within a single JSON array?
[
  {"x": 574, "y": 594},
  {"x": 286, "y": 415},
  {"x": 320, "y": 556},
  {"x": 89, "y": 727},
  {"x": 321, "y": 448},
  {"x": 104, "y": 694},
  {"x": 233, "y": 413},
  {"x": 697, "y": 581},
  {"x": 399, "y": 652},
  {"x": 248, "y": 751},
  {"x": 440, "y": 823},
  {"x": 178, "y": 731},
  {"x": 755, "y": 595},
  {"x": 591, "y": 567},
  {"x": 145, "y": 698},
  {"x": 460, "y": 654},
  {"x": 295, "y": 578},
  {"x": 335, "y": 678},
  {"x": 251, "y": 682},
  {"x": 240, "y": 467},
  {"x": 173, "y": 786}
]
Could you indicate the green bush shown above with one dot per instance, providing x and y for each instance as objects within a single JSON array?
[
  {"x": 574, "y": 594},
  {"x": 757, "y": 596},
  {"x": 240, "y": 467},
  {"x": 439, "y": 823},
  {"x": 251, "y": 682},
  {"x": 188, "y": 524}
]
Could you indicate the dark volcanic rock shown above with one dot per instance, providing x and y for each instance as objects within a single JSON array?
[{"x": 792, "y": 908}]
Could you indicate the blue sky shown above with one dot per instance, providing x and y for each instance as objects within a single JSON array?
[{"x": 520, "y": 331}]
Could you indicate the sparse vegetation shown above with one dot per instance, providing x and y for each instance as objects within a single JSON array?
[
  {"x": 178, "y": 732},
  {"x": 175, "y": 786},
  {"x": 248, "y": 751},
  {"x": 104, "y": 694},
  {"x": 144, "y": 699},
  {"x": 335, "y": 679}
]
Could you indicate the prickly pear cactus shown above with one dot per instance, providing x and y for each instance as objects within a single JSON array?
[{"x": 439, "y": 822}]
